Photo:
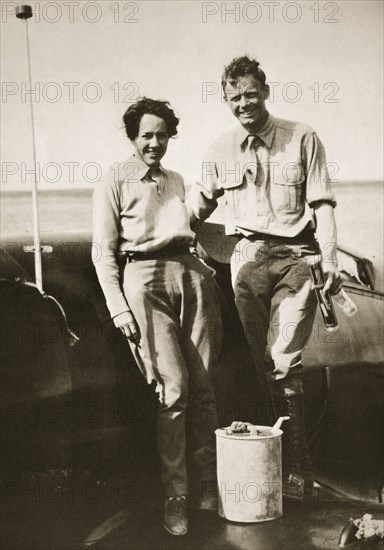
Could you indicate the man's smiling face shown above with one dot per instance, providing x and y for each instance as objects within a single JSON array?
[
  {"x": 246, "y": 99},
  {"x": 151, "y": 142}
]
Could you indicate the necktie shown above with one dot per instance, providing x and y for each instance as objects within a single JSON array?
[
  {"x": 254, "y": 171},
  {"x": 155, "y": 175},
  {"x": 255, "y": 175}
]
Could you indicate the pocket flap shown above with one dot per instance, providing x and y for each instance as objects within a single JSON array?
[
  {"x": 285, "y": 182},
  {"x": 232, "y": 181},
  {"x": 292, "y": 174}
]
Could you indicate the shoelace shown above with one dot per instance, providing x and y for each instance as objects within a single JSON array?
[{"x": 177, "y": 505}]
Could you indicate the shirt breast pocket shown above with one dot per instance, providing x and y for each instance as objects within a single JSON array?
[
  {"x": 236, "y": 196},
  {"x": 287, "y": 196}
]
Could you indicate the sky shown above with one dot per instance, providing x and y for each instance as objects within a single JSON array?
[{"x": 91, "y": 60}]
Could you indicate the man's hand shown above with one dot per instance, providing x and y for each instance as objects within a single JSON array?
[
  {"x": 326, "y": 236},
  {"x": 333, "y": 280},
  {"x": 127, "y": 324}
]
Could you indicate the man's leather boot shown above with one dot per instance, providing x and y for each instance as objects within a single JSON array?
[
  {"x": 294, "y": 447},
  {"x": 208, "y": 499},
  {"x": 175, "y": 515}
]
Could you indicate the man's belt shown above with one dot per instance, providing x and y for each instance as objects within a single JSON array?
[
  {"x": 307, "y": 235},
  {"x": 168, "y": 251}
]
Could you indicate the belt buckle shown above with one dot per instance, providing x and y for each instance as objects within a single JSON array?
[{"x": 130, "y": 257}]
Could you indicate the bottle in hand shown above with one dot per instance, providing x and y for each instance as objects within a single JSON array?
[
  {"x": 345, "y": 302},
  {"x": 324, "y": 299}
]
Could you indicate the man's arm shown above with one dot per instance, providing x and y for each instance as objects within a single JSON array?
[
  {"x": 321, "y": 198},
  {"x": 327, "y": 237},
  {"x": 202, "y": 198}
]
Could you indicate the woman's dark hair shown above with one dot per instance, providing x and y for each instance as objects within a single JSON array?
[
  {"x": 242, "y": 66},
  {"x": 145, "y": 105}
]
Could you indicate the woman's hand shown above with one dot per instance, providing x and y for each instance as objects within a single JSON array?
[{"x": 127, "y": 324}]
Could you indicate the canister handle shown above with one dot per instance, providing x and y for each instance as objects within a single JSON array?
[{"x": 279, "y": 422}]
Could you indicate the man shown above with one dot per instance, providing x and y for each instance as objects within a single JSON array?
[
  {"x": 164, "y": 301},
  {"x": 272, "y": 172}
]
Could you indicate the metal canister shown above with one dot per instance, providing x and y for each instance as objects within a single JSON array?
[{"x": 249, "y": 474}]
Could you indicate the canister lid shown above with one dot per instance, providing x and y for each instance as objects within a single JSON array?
[{"x": 257, "y": 433}]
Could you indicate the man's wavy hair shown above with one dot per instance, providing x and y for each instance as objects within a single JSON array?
[
  {"x": 145, "y": 105},
  {"x": 242, "y": 66}
]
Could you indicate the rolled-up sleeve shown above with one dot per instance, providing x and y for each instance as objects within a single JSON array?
[
  {"x": 203, "y": 195},
  {"x": 318, "y": 183},
  {"x": 106, "y": 228}
]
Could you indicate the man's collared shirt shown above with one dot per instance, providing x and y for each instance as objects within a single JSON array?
[
  {"x": 269, "y": 187},
  {"x": 135, "y": 212}
]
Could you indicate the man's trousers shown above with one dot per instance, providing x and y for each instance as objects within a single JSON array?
[{"x": 276, "y": 304}]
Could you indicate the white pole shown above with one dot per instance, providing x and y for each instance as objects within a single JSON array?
[{"x": 25, "y": 12}]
